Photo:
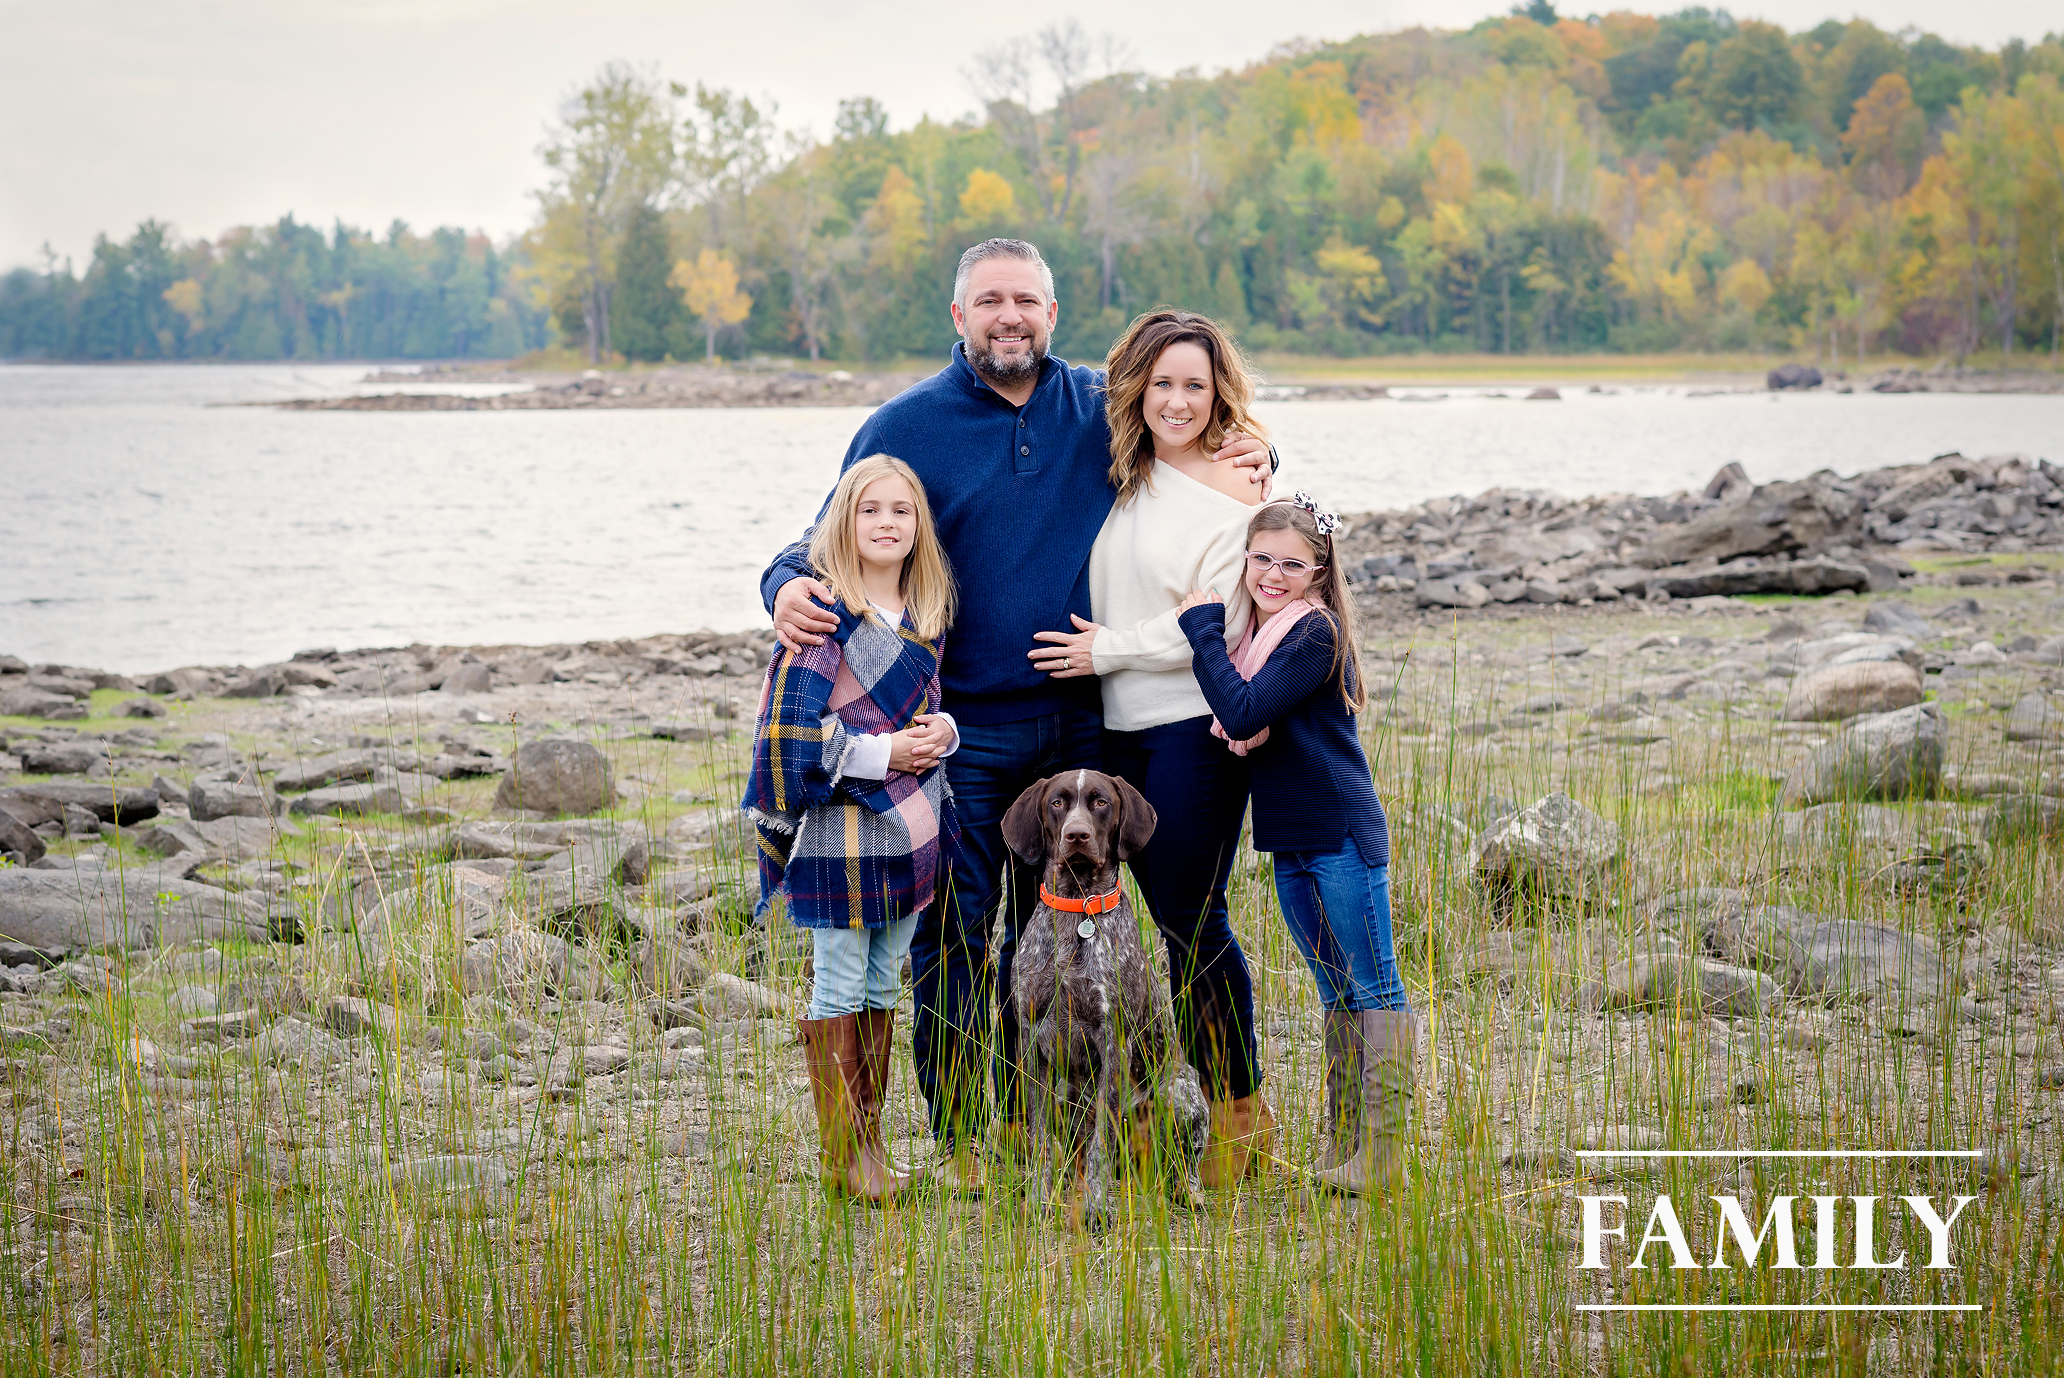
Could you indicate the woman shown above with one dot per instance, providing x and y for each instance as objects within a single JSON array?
[{"x": 1175, "y": 387}]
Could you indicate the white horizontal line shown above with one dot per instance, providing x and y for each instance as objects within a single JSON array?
[
  {"x": 1803, "y": 1306},
  {"x": 1777, "y": 1152}
]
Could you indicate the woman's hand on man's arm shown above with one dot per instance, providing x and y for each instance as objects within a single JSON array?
[{"x": 1071, "y": 654}]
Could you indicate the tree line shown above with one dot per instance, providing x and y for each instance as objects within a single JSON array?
[{"x": 1532, "y": 183}]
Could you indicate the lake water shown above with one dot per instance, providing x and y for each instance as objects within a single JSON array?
[{"x": 143, "y": 525}]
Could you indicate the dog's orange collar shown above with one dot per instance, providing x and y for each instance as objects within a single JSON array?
[{"x": 1095, "y": 904}]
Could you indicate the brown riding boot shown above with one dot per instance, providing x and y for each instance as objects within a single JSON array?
[
  {"x": 878, "y": 1168},
  {"x": 1389, "y": 1041},
  {"x": 1343, "y": 1092},
  {"x": 1242, "y": 1132},
  {"x": 831, "y": 1048}
]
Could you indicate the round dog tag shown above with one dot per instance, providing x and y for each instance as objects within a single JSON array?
[{"x": 1085, "y": 929}]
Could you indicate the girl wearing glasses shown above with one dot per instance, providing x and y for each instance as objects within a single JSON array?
[
  {"x": 1286, "y": 693},
  {"x": 1175, "y": 388}
]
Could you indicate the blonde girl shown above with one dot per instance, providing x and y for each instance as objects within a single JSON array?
[{"x": 851, "y": 808}]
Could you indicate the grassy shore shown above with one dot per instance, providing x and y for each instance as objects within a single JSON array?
[{"x": 394, "y": 1210}]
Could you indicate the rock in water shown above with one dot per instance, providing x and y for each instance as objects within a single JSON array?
[
  {"x": 1879, "y": 756},
  {"x": 1844, "y": 691},
  {"x": 1556, "y": 847},
  {"x": 1786, "y": 376},
  {"x": 2032, "y": 719},
  {"x": 557, "y": 775}
]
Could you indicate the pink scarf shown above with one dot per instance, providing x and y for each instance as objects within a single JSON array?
[{"x": 1252, "y": 651}]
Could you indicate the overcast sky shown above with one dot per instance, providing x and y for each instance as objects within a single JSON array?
[{"x": 211, "y": 113}]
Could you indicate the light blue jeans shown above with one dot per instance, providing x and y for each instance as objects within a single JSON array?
[
  {"x": 1337, "y": 908},
  {"x": 858, "y": 968}
]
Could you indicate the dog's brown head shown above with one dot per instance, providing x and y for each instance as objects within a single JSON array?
[{"x": 1080, "y": 817}]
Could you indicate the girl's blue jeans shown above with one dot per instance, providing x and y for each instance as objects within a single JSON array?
[
  {"x": 1337, "y": 908},
  {"x": 858, "y": 968}
]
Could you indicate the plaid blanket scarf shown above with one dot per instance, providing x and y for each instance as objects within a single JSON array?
[{"x": 847, "y": 853}]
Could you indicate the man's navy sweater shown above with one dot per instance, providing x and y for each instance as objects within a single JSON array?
[
  {"x": 1312, "y": 789},
  {"x": 1019, "y": 494}
]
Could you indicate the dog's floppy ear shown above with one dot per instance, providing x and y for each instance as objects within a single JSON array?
[
  {"x": 1024, "y": 830},
  {"x": 1136, "y": 819}
]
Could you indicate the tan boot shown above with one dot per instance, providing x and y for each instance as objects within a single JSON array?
[
  {"x": 1242, "y": 1132},
  {"x": 832, "y": 1050},
  {"x": 1389, "y": 1043},
  {"x": 882, "y": 1176},
  {"x": 1343, "y": 1092}
]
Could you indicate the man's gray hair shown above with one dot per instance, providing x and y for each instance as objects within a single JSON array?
[{"x": 998, "y": 248}]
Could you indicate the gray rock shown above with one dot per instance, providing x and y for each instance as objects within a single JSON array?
[
  {"x": 141, "y": 708},
  {"x": 1845, "y": 690},
  {"x": 518, "y": 841},
  {"x": 19, "y": 839},
  {"x": 463, "y": 1174},
  {"x": 518, "y": 961},
  {"x": 220, "y": 1028},
  {"x": 725, "y": 996},
  {"x": 1452, "y": 593},
  {"x": 1685, "y": 983},
  {"x": 231, "y": 839},
  {"x": 608, "y": 861},
  {"x": 1879, "y": 756},
  {"x": 1556, "y": 847},
  {"x": 45, "y": 802},
  {"x": 2050, "y": 652},
  {"x": 1793, "y": 376},
  {"x": 347, "y": 800},
  {"x": 1773, "y": 519},
  {"x": 47, "y": 916},
  {"x": 30, "y": 702},
  {"x": 468, "y": 677},
  {"x": 294, "y": 1040},
  {"x": 350, "y": 1017},
  {"x": 558, "y": 775},
  {"x": 190, "y": 1001},
  {"x": 664, "y": 966},
  {"x": 269, "y": 995},
  {"x": 2034, "y": 719},
  {"x": 1898, "y": 619},
  {"x": 210, "y": 799},
  {"x": 75, "y": 757},
  {"x": 335, "y": 768}
]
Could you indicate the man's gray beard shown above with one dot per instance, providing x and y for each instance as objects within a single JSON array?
[{"x": 1018, "y": 368}]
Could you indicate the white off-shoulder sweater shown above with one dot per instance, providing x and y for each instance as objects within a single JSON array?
[{"x": 1174, "y": 536}]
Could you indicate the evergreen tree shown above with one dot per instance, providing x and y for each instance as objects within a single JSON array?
[{"x": 645, "y": 312}]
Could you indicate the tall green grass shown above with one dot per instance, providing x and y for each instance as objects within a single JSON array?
[{"x": 248, "y": 1219}]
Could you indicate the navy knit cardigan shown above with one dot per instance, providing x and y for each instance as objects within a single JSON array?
[{"x": 1312, "y": 788}]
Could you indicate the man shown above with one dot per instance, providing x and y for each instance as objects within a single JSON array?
[{"x": 1013, "y": 449}]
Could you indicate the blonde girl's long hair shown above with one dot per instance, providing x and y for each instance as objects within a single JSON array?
[
  {"x": 1130, "y": 365},
  {"x": 927, "y": 580},
  {"x": 1328, "y": 588}
]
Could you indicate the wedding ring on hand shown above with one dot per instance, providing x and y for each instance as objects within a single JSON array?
[{"x": 1067, "y": 662}]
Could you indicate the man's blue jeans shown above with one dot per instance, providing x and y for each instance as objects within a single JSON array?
[
  {"x": 1337, "y": 908},
  {"x": 957, "y": 972}
]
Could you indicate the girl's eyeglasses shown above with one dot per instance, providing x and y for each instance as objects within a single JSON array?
[{"x": 1262, "y": 562}]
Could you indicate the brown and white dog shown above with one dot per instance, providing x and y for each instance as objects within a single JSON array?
[{"x": 1098, "y": 1044}]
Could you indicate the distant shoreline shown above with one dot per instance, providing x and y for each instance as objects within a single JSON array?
[{"x": 671, "y": 386}]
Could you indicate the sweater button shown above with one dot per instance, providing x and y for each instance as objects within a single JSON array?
[{"x": 1024, "y": 449}]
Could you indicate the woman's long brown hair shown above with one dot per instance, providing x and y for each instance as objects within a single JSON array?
[
  {"x": 1328, "y": 589},
  {"x": 1130, "y": 365}
]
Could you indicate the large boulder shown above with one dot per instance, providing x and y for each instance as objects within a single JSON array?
[
  {"x": 28, "y": 701},
  {"x": 242, "y": 798},
  {"x": 1773, "y": 520},
  {"x": 48, "y": 916},
  {"x": 1685, "y": 983},
  {"x": 46, "y": 800},
  {"x": 1789, "y": 376},
  {"x": 1843, "y": 691},
  {"x": 1452, "y": 593},
  {"x": 1819, "y": 958},
  {"x": 1554, "y": 848},
  {"x": 1878, "y": 756},
  {"x": 18, "y": 840},
  {"x": 75, "y": 757},
  {"x": 558, "y": 775},
  {"x": 336, "y": 768}
]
